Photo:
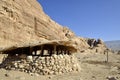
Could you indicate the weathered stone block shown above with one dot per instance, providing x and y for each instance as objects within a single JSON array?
[{"x": 29, "y": 58}]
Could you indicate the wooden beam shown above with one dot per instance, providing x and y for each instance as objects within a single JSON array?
[
  {"x": 42, "y": 50},
  {"x": 31, "y": 49},
  {"x": 55, "y": 49}
]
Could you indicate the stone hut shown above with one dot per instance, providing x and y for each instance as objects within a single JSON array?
[{"x": 52, "y": 57}]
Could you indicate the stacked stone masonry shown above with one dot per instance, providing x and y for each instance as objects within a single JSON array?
[{"x": 47, "y": 65}]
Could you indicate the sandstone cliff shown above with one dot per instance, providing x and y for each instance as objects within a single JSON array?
[{"x": 24, "y": 21}]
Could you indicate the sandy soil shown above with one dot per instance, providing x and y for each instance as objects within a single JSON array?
[{"x": 94, "y": 67}]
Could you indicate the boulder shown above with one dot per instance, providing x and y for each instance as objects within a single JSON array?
[{"x": 29, "y": 58}]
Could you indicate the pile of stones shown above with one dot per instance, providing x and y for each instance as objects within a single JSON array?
[{"x": 47, "y": 65}]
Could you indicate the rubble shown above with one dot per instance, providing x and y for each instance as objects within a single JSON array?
[
  {"x": 111, "y": 78},
  {"x": 48, "y": 65}
]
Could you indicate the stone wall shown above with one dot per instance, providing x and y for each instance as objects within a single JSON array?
[{"x": 47, "y": 65}]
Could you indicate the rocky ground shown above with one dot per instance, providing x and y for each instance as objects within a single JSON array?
[{"x": 94, "y": 67}]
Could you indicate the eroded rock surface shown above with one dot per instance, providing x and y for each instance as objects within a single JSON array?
[{"x": 24, "y": 21}]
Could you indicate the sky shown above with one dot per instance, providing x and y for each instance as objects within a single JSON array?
[{"x": 86, "y": 18}]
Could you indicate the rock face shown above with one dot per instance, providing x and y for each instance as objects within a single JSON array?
[
  {"x": 23, "y": 21},
  {"x": 96, "y": 46}
]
